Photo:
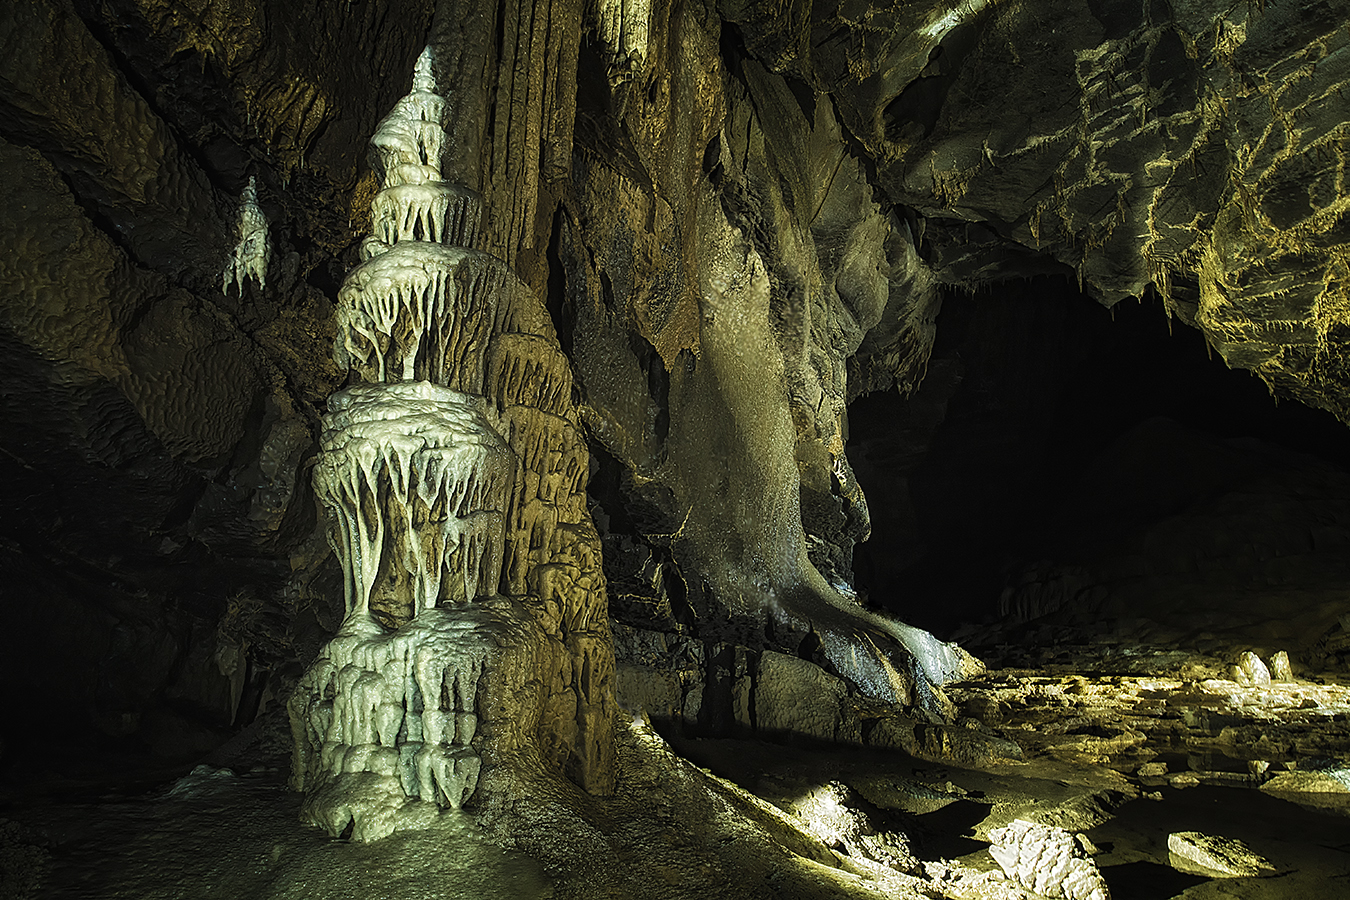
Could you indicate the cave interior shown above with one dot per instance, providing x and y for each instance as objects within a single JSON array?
[{"x": 675, "y": 449}]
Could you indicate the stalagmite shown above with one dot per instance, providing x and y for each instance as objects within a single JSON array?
[
  {"x": 453, "y": 460},
  {"x": 253, "y": 252},
  {"x": 419, "y": 480},
  {"x": 421, "y": 311}
]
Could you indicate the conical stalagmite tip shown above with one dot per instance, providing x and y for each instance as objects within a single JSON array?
[{"x": 422, "y": 77}]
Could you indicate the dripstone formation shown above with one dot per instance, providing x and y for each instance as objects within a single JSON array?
[
  {"x": 453, "y": 478},
  {"x": 669, "y": 354}
]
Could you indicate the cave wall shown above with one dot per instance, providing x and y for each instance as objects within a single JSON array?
[
  {"x": 741, "y": 216},
  {"x": 156, "y": 471}
]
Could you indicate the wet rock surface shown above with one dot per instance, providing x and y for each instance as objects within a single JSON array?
[{"x": 1192, "y": 851}]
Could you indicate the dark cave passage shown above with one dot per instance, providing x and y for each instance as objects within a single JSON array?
[{"x": 1032, "y": 388}]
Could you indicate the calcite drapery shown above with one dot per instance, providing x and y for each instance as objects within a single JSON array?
[
  {"x": 454, "y": 479},
  {"x": 418, "y": 481},
  {"x": 253, "y": 252},
  {"x": 421, "y": 311}
]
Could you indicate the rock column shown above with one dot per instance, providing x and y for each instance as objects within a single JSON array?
[{"x": 453, "y": 476}]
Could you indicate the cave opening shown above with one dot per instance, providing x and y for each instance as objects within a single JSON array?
[{"x": 1039, "y": 404}]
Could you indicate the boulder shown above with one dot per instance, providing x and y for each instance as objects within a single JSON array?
[{"x": 1218, "y": 857}]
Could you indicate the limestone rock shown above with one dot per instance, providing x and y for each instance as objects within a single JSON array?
[
  {"x": 909, "y": 795},
  {"x": 1215, "y": 856},
  {"x": 831, "y": 814},
  {"x": 1082, "y": 812},
  {"x": 1048, "y": 861},
  {"x": 1328, "y": 780},
  {"x": 1251, "y": 670},
  {"x": 1280, "y": 670},
  {"x": 792, "y": 696}
]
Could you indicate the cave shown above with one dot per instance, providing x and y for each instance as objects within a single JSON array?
[
  {"x": 663, "y": 449},
  {"x": 1032, "y": 390}
]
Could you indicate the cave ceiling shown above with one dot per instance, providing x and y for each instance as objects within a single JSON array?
[{"x": 708, "y": 198}]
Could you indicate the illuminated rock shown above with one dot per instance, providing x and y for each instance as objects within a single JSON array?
[
  {"x": 253, "y": 252},
  {"x": 1280, "y": 669},
  {"x": 1047, "y": 860},
  {"x": 416, "y": 481},
  {"x": 422, "y": 311},
  {"x": 454, "y": 482},
  {"x": 1250, "y": 670},
  {"x": 1192, "y": 851}
]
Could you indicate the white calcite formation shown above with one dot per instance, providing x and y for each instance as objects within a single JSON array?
[
  {"x": 418, "y": 483},
  {"x": 383, "y": 720},
  {"x": 625, "y": 27},
  {"x": 421, "y": 311},
  {"x": 1047, "y": 860},
  {"x": 412, "y": 134},
  {"x": 253, "y": 251},
  {"x": 453, "y": 477},
  {"x": 1251, "y": 670},
  {"x": 424, "y": 211},
  {"x": 1280, "y": 669},
  {"x": 415, "y": 480}
]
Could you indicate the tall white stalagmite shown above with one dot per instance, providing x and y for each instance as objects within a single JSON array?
[
  {"x": 416, "y": 482},
  {"x": 451, "y": 472}
]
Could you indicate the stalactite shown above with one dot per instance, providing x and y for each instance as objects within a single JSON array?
[
  {"x": 253, "y": 253},
  {"x": 421, "y": 311},
  {"x": 427, "y": 211},
  {"x": 527, "y": 370},
  {"x": 549, "y": 489}
]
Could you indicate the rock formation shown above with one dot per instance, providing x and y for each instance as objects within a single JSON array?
[
  {"x": 1047, "y": 861},
  {"x": 451, "y": 458},
  {"x": 590, "y": 337},
  {"x": 253, "y": 253},
  {"x": 1216, "y": 856}
]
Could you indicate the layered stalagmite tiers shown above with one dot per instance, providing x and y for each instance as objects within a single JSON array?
[
  {"x": 453, "y": 478},
  {"x": 419, "y": 482},
  {"x": 390, "y": 721},
  {"x": 423, "y": 311},
  {"x": 423, "y": 211}
]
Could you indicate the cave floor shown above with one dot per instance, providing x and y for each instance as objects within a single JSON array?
[{"x": 1124, "y": 744}]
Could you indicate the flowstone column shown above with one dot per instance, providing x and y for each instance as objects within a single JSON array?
[{"x": 453, "y": 477}]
